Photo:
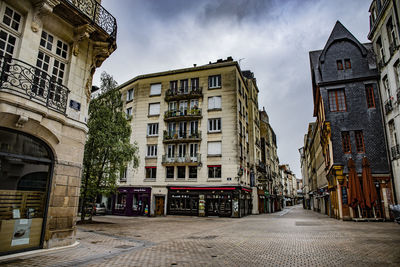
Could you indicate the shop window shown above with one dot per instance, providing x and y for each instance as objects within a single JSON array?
[
  {"x": 369, "y": 92},
  {"x": 151, "y": 172},
  {"x": 346, "y": 142},
  {"x": 337, "y": 100},
  {"x": 214, "y": 171},
  {"x": 193, "y": 172},
  {"x": 120, "y": 201},
  {"x": 170, "y": 172},
  {"x": 181, "y": 172},
  {"x": 359, "y": 141}
]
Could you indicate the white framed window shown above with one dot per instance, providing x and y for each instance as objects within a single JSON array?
[
  {"x": 10, "y": 30},
  {"x": 193, "y": 150},
  {"x": 214, "y": 148},
  {"x": 214, "y": 102},
  {"x": 152, "y": 129},
  {"x": 172, "y": 106},
  {"x": 194, "y": 127},
  {"x": 122, "y": 174},
  {"x": 171, "y": 128},
  {"x": 151, "y": 151},
  {"x": 181, "y": 150},
  {"x": 194, "y": 103},
  {"x": 155, "y": 89},
  {"x": 154, "y": 109},
  {"x": 214, "y": 125},
  {"x": 184, "y": 86},
  {"x": 214, "y": 81},
  {"x": 182, "y": 129},
  {"x": 183, "y": 106},
  {"x": 129, "y": 95},
  {"x": 171, "y": 151},
  {"x": 128, "y": 112}
]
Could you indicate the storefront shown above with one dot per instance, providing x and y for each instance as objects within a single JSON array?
[
  {"x": 132, "y": 201},
  {"x": 262, "y": 201},
  {"x": 26, "y": 167},
  {"x": 209, "y": 201}
]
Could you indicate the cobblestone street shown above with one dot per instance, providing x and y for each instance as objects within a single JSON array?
[{"x": 293, "y": 237}]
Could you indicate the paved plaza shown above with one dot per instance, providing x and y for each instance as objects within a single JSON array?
[{"x": 293, "y": 237}]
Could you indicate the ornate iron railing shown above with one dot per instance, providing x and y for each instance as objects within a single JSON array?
[
  {"x": 185, "y": 136},
  {"x": 97, "y": 14},
  {"x": 190, "y": 91},
  {"x": 178, "y": 113},
  {"x": 24, "y": 79},
  {"x": 184, "y": 159}
]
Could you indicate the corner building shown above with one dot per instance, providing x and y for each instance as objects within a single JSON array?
[
  {"x": 348, "y": 115},
  {"x": 49, "y": 51},
  {"x": 190, "y": 126}
]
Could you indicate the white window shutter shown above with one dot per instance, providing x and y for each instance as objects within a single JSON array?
[
  {"x": 211, "y": 102},
  {"x": 217, "y": 102},
  {"x": 154, "y": 109},
  {"x": 214, "y": 148},
  {"x": 155, "y": 89}
]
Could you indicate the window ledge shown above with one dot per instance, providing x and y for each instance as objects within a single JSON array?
[
  {"x": 215, "y": 109},
  {"x": 212, "y": 88},
  {"x": 214, "y": 132},
  {"x": 214, "y": 156},
  {"x": 149, "y": 136},
  {"x": 129, "y": 101},
  {"x": 214, "y": 180},
  {"x": 156, "y": 115},
  {"x": 149, "y": 179},
  {"x": 151, "y": 157},
  {"x": 155, "y": 95}
]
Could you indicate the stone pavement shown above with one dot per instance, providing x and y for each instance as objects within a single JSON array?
[{"x": 293, "y": 237}]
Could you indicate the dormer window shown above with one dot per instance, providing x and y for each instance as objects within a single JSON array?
[
  {"x": 339, "y": 64},
  {"x": 347, "y": 63}
]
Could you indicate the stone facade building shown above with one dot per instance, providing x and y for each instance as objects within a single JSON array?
[
  {"x": 348, "y": 111},
  {"x": 384, "y": 34},
  {"x": 49, "y": 51},
  {"x": 192, "y": 128}
]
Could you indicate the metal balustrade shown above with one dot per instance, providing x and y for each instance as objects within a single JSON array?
[
  {"x": 181, "y": 159},
  {"x": 21, "y": 78}
]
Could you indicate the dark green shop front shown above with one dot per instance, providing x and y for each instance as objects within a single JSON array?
[{"x": 222, "y": 201}]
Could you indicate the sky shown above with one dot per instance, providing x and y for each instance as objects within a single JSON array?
[{"x": 272, "y": 38}]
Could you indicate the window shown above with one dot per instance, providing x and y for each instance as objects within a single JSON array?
[
  {"x": 172, "y": 106},
  {"x": 339, "y": 64},
  {"x": 122, "y": 174},
  {"x": 240, "y": 107},
  {"x": 194, "y": 83},
  {"x": 129, "y": 95},
  {"x": 396, "y": 68},
  {"x": 214, "y": 81},
  {"x": 337, "y": 100},
  {"x": 245, "y": 99},
  {"x": 347, "y": 63},
  {"x": 154, "y": 109},
  {"x": 381, "y": 52},
  {"x": 152, "y": 129},
  {"x": 184, "y": 86},
  {"x": 171, "y": 151},
  {"x": 155, "y": 89},
  {"x": 214, "y": 102},
  {"x": 239, "y": 86},
  {"x": 182, "y": 150},
  {"x": 386, "y": 86},
  {"x": 214, "y": 171},
  {"x": 170, "y": 172},
  {"x": 194, "y": 103},
  {"x": 183, "y": 106},
  {"x": 240, "y": 128},
  {"x": 193, "y": 150},
  {"x": 173, "y": 86},
  {"x": 369, "y": 91},
  {"x": 151, "y": 151},
  {"x": 359, "y": 141},
  {"x": 7, "y": 44},
  {"x": 11, "y": 23},
  {"x": 192, "y": 172},
  {"x": 181, "y": 172},
  {"x": 194, "y": 129},
  {"x": 151, "y": 172},
  {"x": 346, "y": 142},
  {"x": 128, "y": 112},
  {"x": 391, "y": 34},
  {"x": 171, "y": 128},
  {"x": 214, "y": 125},
  {"x": 182, "y": 129},
  {"x": 214, "y": 148},
  {"x": 12, "y": 19}
]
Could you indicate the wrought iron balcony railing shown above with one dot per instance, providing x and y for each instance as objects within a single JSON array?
[
  {"x": 184, "y": 159},
  {"x": 97, "y": 14},
  {"x": 170, "y": 137},
  {"x": 170, "y": 114},
  {"x": 183, "y": 92},
  {"x": 25, "y": 80}
]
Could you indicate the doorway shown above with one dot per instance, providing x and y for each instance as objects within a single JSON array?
[{"x": 160, "y": 205}]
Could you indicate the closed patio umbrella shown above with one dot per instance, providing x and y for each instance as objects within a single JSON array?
[
  {"x": 369, "y": 189},
  {"x": 355, "y": 194}
]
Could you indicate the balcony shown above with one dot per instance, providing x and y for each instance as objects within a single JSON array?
[
  {"x": 261, "y": 167},
  {"x": 183, "y": 93},
  {"x": 182, "y": 115},
  {"x": 388, "y": 106},
  {"x": 81, "y": 12},
  {"x": 186, "y": 160},
  {"x": 395, "y": 151},
  {"x": 22, "y": 79},
  {"x": 181, "y": 137}
]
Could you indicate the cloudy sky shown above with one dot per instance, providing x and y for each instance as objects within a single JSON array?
[{"x": 271, "y": 37}]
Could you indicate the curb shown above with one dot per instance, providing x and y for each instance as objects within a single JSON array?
[{"x": 36, "y": 252}]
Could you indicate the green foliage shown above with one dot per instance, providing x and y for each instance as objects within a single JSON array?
[{"x": 108, "y": 149}]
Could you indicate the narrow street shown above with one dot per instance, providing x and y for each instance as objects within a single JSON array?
[{"x": 293, "y": 237}]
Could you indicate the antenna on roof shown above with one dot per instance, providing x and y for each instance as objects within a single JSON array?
[{"x": 240, "y": 60}]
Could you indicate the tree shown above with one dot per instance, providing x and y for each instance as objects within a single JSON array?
[{"x": 108, "y": 149}]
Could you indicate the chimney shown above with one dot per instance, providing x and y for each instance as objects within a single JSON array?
[{"x": 194, "y": 65}]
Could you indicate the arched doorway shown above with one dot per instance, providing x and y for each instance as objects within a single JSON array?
[{"x": 26, "y": 165}]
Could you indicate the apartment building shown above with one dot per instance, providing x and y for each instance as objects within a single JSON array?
[
  {"x": 384, "y": 34},
  {"x": 49, "y": 51},
  {"x": 192, "y": 129},
  {"x": 348, "y": 115}
]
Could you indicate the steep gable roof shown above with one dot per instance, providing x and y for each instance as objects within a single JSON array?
[{"x": 340, "y": 33}]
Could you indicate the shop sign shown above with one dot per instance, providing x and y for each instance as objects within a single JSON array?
[
  {"x": 22, "y": 230},
  {"x": 139, "y": 190}
]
